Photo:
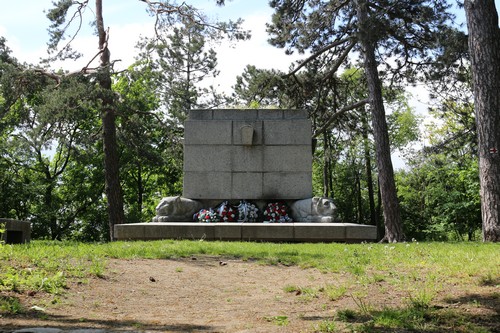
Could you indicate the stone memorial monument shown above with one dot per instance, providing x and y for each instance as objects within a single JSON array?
[{"x": 236, "y": 156}]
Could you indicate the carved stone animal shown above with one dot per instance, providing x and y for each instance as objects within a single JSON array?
[
  {"x": 317, "y": 209},
  {"x": 176, "y": 209}
]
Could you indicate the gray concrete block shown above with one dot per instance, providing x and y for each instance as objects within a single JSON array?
[
  {"x": 207, "y": 185},
  {"x": 207, "y": 158},
  {"x": 319, "y": 232},
  {"x": 267, "y": 231},
  {"x": 257, "y": 135},
  {"x": 200, "y": 114},
  {"x": 16, "y": 231},
  {"x": 247, "y": 185},
  {"x": 287, "y": 185},
  {"x": 287, "y": 158},
  {"x": 184, "y": 230},
  {"x": 308, "y": 232},
  {"x": 130, "y": 231},
  {"x": 227, "y": 231},
  {"x": 288, "y": 132},
  {"x": 198, "y": 132},
  {"x": 236, "y": 114},
  {"x": 247, "y": 159},
  {"x": 270, "y": 114},
  {"x": 360, "y": 232}
]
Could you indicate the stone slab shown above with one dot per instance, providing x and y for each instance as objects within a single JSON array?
[
  {"x": 247, "y": 185},
  {"x": 270, "y": 114},
  {"x": 288, "y": 158},
  {"x": 227, "y": 231},
  {"x": 188, "y": 230},
  {"x": 291, "y": 132},
  {"x": 271, "y": 232},
  {"x": 247, "y": 159},
  {"x": 207, "y": 185},
  {"x": 356, "y": 232},
  {"x": 235, "y": 114},
  {"x": 287, "y": 185},
  {"x": 201, "y": 114},
  {"x": 198, "y": 132},
  {"x": 320, "y": 232},
  {"x": 131, "y": 231},
  {"x": 207, "y": 158}
]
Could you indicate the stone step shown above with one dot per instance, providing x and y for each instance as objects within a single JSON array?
[{"x": 272, "y": 232}]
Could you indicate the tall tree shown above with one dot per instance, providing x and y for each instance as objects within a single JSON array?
[
  {"x": 392, "y": 217},
  {"x": 108, "y": 113},
  {"x": 167, "y": 14},
  {"x": 484, "y": 49},
  {"x": 402, "y": 31}
]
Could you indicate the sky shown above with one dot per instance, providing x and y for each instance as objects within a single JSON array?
[{"x": 24, "y": 25}]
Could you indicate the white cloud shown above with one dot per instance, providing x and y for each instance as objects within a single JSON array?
[{"x": 256, "y": 51}]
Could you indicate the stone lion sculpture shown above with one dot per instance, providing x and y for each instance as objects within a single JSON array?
[
  {"x": 317, "y": 209},
  {"x": 176, "y": 209}
]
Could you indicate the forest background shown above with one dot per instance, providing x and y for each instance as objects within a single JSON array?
[{"x": 51, "y": 153}]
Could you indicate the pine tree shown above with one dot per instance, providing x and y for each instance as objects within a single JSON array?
[
  {"x": 402, "y": 31},
  {"x": 484, "y": 49}
]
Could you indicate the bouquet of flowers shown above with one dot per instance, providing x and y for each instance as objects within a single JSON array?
[
  {"x": 247, "y": 212},
  {"x": 226, "y": 212},
  {"x": 276, "y": 212},
  {"x": 206, "y": 215}
]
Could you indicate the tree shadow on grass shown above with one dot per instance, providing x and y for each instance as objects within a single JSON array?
[
  {"x": 462, "y": 314},
  {"x": 66, "y": 323},
  {"x": 481, "y": 309}
]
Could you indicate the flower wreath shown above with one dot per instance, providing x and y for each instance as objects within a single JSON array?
[
  {"x": 276, "y": 212},
  {"x": 247, "y": 212},
  {"x": 206, "y": 215},
  {"x": 226, "y": 212}
]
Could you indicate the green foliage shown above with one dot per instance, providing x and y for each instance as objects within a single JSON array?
[
  {"x": 439, "y": 193},
  {"x": 326, "y": 326},
  {"x": 278, "y": 320},
  {"x": 403, "y": 124},
  {"x": 151, "y": 149},
  {"x": 10, "y": 305}
]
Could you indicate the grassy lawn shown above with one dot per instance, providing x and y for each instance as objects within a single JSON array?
[{"x": 422, "y": 273}]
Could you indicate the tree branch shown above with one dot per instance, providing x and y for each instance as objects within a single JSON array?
[
  {"x": 339, "y": 61},
  {"x": 317, "y": 54},
  {"x": 337, "y": 114}
]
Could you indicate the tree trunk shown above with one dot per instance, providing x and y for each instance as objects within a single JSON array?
[
  {"x": 111, "y": 160},
  {"x": 326, "y": 166},
  {"x": 140, "y": 190},
  {"x": 359, "y": 198},
  {"x": 392, "y": 217},
  {"x": 369, "y": 176},
  {"x": 484, "y": 49}
]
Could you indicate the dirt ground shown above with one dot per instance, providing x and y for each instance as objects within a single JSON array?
[{"x": 204, "y": 294}]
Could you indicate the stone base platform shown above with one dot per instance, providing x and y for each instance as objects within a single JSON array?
[{"x": 269, "y": 232}]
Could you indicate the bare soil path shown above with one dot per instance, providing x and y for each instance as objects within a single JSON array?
[{"x": 201, "y": 294}]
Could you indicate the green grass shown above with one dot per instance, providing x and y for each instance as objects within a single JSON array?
[
  {"x": 278, "y": 320},
  {"x": 418, "y": 272},
  {"x": 44, "y": 265}
]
